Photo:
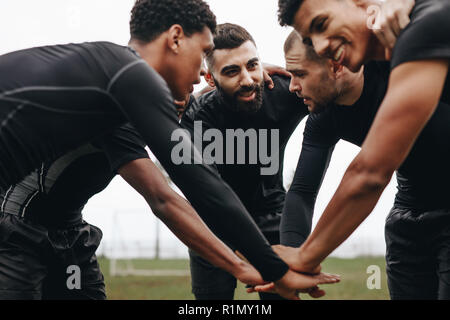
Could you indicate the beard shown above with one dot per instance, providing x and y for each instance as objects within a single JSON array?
[
  {"x": 322, "y": 104},
  {"x": 243, "y": 107},
  {"x": 325, "y": 96}
]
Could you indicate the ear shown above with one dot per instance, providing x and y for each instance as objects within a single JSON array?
[
  {"x": 175, "y": 36},
  {"x": 210, "y": 80},
  {"x": 335, "y": 68}
]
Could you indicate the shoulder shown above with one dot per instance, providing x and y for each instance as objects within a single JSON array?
[
  {"x": 125, "y": 137},
  {"x": 207, "y": 107},
  {"x": 282, "y": 98},
  {"x": 281, "y": 88},
  {"x": 427, "y": 36},
  {"x": 320, "y": 129}
]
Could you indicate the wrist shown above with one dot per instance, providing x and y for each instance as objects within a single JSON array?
[{"x": 307, "y": 261}]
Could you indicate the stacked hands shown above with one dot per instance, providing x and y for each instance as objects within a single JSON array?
[
  {"x": 299, "y": 278},
  {"x": 304, "y": 275}
]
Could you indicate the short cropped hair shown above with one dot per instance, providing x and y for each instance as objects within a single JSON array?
[
  {"x": 151, "y": 18},
  {"x": 228, "y": 36},
  {"x": 310, "y": 54}
]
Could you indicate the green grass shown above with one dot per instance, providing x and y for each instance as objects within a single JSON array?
[{"x": 352, "y": 286}]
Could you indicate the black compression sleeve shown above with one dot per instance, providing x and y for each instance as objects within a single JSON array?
[
  {"x": 147, "y": 102},
  {"x": 298, "y": 210}
]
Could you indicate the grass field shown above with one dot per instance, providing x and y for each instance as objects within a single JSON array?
[{"x": 353, "y": 285}]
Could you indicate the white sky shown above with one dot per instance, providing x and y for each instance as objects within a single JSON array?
[{"x": 28, "y": 23}]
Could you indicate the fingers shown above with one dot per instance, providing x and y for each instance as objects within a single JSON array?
[
  {"x": 385, "y": 35},
  {"x": 270, "y": 287},
  {"x": 316, "y": 293},
  {"x": 268, "y": 80},
  {"x": 387, "y": 54},
  {"x": 251, "y": 290},
  {"x": 403, "y": 21},
  {"x": 392, "y": 19},
  {"x": 327, "y": 278}
]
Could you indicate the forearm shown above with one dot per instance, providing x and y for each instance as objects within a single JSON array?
[
  {"x": 298, "y": 210},
  {"x": 353, "y": 201},
  {"x": 185, "y": 223},
  {"x": 154, "y": 116},
  {"x": 413, "y": 94},
  {"x": 177, "y": 214},
  {"x": 296, "y": 219}
]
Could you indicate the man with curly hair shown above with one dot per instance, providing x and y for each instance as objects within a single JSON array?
[{"x": 58, "y": 98}]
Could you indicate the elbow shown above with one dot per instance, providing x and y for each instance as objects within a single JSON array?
[
  {"x": 368, "y": 176},
  {"x": 160, "y": 200}
]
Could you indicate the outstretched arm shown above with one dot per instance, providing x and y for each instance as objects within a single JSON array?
[
  {"x": 182, "y": 220},
  {"x": 147, "y": 102},
  {"x": 298, "y": 209},
  {"x": 413, "y": 95}
]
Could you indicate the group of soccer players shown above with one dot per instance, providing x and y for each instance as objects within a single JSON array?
[{"x": 74, "y": 116}]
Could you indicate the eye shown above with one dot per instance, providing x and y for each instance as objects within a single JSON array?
[
  {"x": 299, "y": 74},
  {"x": 320, "y": 26},
  {"x": 231, "y": 73},
  {"x": 252, "y": 65}
]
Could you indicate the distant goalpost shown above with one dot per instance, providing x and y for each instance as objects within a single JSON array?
[{"x": 122, "y": 251}]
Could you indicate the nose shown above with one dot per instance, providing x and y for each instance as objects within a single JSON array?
[
  {"x": 295, "y": 86},
  {"x": 246, "y": 79},
  {"x": 321, "y": 45},
  {"x": 203, "y": 72}
]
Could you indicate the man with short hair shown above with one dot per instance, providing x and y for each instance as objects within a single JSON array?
[
  {"x": 344, "y": 106},
  {"x": 243, "y": 105}
]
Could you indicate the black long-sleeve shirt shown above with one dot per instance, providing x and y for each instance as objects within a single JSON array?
[
  {"x": 54, "y": 99},
  {"x": 422, "y": 178},
  {"x": 262, "y": 194}
]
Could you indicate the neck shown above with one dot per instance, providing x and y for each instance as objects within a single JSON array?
[
  {"x": 151, "y": 52},
  {"x": 377, "y": 51},
  {"x": 352, "y": 88}
]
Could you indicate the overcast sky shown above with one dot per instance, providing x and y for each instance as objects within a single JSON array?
[{"x": 28, "y": 23}]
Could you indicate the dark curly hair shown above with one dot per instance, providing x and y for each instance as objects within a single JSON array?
[
  {"x": 150, "y": 18},
  {"x": 228, "y": 36},
  {"x": 287, "y": 10}
]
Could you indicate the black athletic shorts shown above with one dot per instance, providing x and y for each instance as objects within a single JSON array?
[
  {"x": 418, "y": 254},
  {"x": 212, "y": 283},
  {"x": 41, "y": 263}
]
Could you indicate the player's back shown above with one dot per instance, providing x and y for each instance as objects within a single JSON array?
[{"x": 55, "y": 98}]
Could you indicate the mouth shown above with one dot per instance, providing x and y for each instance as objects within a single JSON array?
[
  {"x": 247, "y": 96},
  {"x": 339, "y": 54},
  {"x": 307, "y": 101}
]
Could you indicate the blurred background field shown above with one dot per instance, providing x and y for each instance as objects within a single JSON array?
[{"x": 352, "y": 287}]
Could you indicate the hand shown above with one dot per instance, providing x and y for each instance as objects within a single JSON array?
[
  {"x": 390, "y": 20},
  {"x": 294, "y": 283},
  {"x": 270, "y": 70},
  {"x": 314, "y": 292},
  {"x": 247, "y": 274},
  {"x": 295, "y": 259},
  {"x": 181, "y": 106}
]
